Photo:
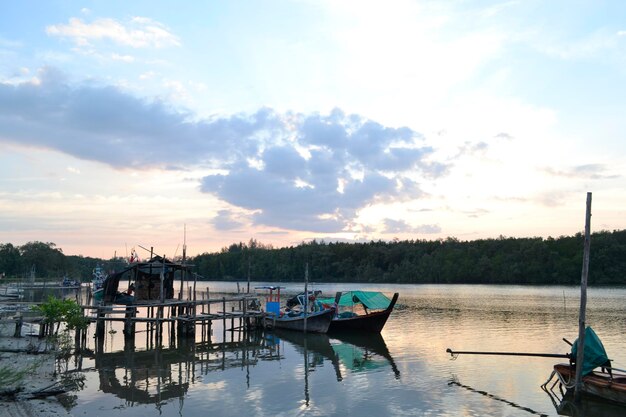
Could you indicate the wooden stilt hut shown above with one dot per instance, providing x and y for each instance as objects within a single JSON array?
[{"x": 145, "y": 281}]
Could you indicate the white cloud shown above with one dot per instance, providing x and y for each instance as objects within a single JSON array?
[
  {"x": 138, "y": 33},
  {"x": 350, "y": 161},
  {"x": 124, "y": 58},
  {"x": 147, "y": 75},
  {"x": 393, "y": 226}
]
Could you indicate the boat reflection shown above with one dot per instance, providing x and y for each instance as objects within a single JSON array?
[
  {"x": 350, "y": 352},
  {"x": 168, "y": 374},
  {"x": 587, "y": 406}
]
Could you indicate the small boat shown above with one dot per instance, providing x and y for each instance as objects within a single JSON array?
[
  {"x": 97, "y": 282},
  {"x": 69, "y": 283},
  {"x": 316, "y": 322},
  {"x": 599, "y": 378},
  {"x": 609, "y": 386},
  {"x": 297, "y": 318},
  {"x": 361, "y": 311}
]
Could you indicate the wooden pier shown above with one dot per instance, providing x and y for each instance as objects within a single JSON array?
[{"x": 180, "y": 317}]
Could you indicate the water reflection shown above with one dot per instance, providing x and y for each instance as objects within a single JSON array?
[
  {"x": 160, "y": 375},
  {"x": 164, "y": 375},
  {"x": 403, "y": 372},
  {"x": 351, "y": 352},
  {"x": 455, "y": 382},
  {"x": 565, "y": 405}
]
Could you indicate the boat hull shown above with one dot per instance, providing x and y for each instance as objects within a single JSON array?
[
  {"x": 598, "y": 384},
  {"x": 317, "y": 322},
  {"x": 368, "y": 323}
]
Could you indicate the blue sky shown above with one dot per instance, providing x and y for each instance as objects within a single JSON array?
[{"x": 122, "y": 123}]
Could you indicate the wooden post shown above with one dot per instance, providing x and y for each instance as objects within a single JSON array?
[
  {"x": 248, "y": 289},
  {"x": 306, "y": 294},
  {"x": 100, "y": 323},
  {"x": 129, "y": 324},
  {"x": 19, "y": 320},
  {"x": 224, "y": 319},
  {"x": 195, "y": 280},
  {"x": 162, "y": 293},
  {"x": 580, "y": 354},
  {"x": 183, "y": 275}
]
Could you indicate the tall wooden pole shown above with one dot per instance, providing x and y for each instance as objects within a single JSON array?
[
  {"x": 183, "y": 274},
  {"x": 248, "y": 289},
  {"x": 580, "y": 354},
  {"x": 306, "y": 294}
]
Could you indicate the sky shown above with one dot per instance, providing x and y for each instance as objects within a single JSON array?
[{"x": 158, "y": 124}]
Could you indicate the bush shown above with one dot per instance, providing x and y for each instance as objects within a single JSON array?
[{"x": 56, "y": 310}]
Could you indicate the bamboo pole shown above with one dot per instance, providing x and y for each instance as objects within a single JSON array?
[{"x": 580, "y": 354}]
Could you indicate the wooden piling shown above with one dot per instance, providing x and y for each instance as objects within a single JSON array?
[
  {"x": 580, "y": 354},
  {"x": 19, "y": 321}
]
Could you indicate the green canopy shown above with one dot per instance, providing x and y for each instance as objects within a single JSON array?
[
  {"x": 594, "y": 353},
  {"x": 370, "y": 299}
]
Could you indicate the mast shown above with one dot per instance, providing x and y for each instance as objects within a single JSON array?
[
  {"x": 183, "y": 273},
  {"x": 580, "y": 354}
]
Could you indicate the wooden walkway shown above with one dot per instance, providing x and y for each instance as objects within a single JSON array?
[{"x": 181, "y": 315}]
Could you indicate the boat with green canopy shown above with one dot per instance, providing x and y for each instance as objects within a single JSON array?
[
  {"x": 360, "y": 311},
  {"x": 599, "y": 378}
]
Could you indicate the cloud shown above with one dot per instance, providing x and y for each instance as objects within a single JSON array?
[
  {"x": 504, "y": 135},
  {"x": 476, "y": 213},
  {"x": 400, "y": 226},
  {"x": 8, "y": 43},
  {"x": 139, "y": 32},
  {"x": 294, "y": 171},
  {"x": 124, "y": 58},
  {"x": 226, "y": 220},
  {"x": 589, "y": 171},
  {"x": 552, "y": 199}
]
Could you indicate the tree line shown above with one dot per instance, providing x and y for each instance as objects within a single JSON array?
[
  {"x": 43, "y": 260},
  {"x": 451, "y": 261},
  {"x": 503, "y": 260}
]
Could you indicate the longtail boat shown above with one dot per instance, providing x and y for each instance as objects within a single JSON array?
[
  {"x": 299, "y": 317},
  {"x": 361, "y": 311},
  {"x": 599, "y": 378}
]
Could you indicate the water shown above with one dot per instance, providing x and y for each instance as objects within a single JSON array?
[{"x": 405, "y": 371}]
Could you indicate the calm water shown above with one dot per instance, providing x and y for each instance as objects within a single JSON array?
[{"x": 405, "y": 371}]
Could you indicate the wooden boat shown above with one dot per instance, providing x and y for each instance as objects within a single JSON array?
[
  {"x": 599, "y": 378},
  {"x": 598, "y": 383},
  {"x": 299, "y": 317},
  {"x": 316, "y": 322},
  {"x": 70, "y": 283},
  {"x": 97, "y": 282},
  {"x": 373, "y": 308}
]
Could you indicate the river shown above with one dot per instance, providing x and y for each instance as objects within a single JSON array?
[{"x": 404, "y": 372}]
